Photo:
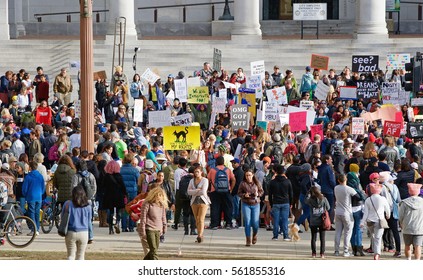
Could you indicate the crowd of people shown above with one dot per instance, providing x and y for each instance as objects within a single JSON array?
[{"x": 248, "y": 177}]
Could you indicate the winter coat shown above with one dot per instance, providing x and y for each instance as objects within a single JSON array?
[
  {"x": 326, "y": 178},
  {"x": 33, "y": 186},
  {"x": 280, "y": 191},
  {"x": 62, "y": 180},
  {"x": 411, "y": 215},
  {"x": 403, "y": 178},
  {"x": 114, "y": 191}
]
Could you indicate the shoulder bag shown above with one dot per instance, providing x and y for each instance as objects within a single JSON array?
[
  {"x": 64, "y": 221},
  {"x": 382, "y": 221}
]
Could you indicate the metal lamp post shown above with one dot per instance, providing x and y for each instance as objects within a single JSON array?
[{"x": 226, "y": 12}]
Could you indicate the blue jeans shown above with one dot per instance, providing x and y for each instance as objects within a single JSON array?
[
  {"x": 127, "y": 223},
  {"x": 235, "y": 205},
  {"x": 90, "y": 224},
  {"x": 280, "y": 214},
  {"x": 251, "y": 215},
  {"x": 356, "y": 237},
  {"x": 306, "y": 210},
  {"x": 34, "y": 213},
  {"x": 22, "y": 202}
]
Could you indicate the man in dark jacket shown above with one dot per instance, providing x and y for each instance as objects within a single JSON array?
[
  {"x": 293, "y": 174},
  {"x": 239, "y": 176},
  {"x": 240, "y": 134},
  {"x": 280, "y": 199},
  {"x": 326, "y": 178},
  {"x": 371, "y": 168}
]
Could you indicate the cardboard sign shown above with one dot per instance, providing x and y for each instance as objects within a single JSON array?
[
  {"x": 100, "y": 75},
  {"x": 262, "y": 124},
  {"x": 297, "y": 121},
  {"x": 212, "y": 120},
  {"x": 254, "y": 82},
  {"x": 277, "y": 95},
  {"x": 415, "y": 130},
  {"x": 217, "y": 59},
  {"x": 397, "y": 61},
  {"x": 150, "y": 76},
  {"x": 138, "y": 110},
  {"x": 182, "y": 120},
  {"x": 357, "y": 126},
  {"x": 316, "y": 129},
  {"x": 402, "y": 98},
  {"x": 365, "y": 63},
  {"x": 270, "y": 112},
  {"x": 257, "y": 68},
  {"x": 319, "y": 62},
  {"x": 308, "y": 105},
  {"x": 158, "y": 118},
  {"x": 181, "y": 91},
  {"x": 367, "y": 90},
  {"x": 181, "y": 137},
  {"x": 239, "y": 117},
  {"x": 392, "y": 128},
  {"x": 219, "y": 104},
  {"x": 348, "y": 92},
  {"x": 284, "y": 119},
  {"x": 198, "y": 95},
  {"x": 321, "y": 91}
]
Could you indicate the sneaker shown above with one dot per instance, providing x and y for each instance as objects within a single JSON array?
[
  {"x": 347, "y": 254},
  {"x": 287, "y": 239},
  {"x": 162, "y": 239},
  {"x": 313, "y": 255},
  {"x": 90, "y": 241},
  {"x": 336, "y": 253},
  {"x": 175, "y": 227},
  {"x": 397, "y": 255},
  {"x": 376, "y": 257},
  {"x": 275, "y": 239},
  {"x": 213, "y": 228},
  {"x": 269, "y": 228},
  {"x": 322, "y": 256}
]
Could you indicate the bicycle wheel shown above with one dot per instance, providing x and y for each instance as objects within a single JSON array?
[
  {"x": 20, "y": 232},
  {"x": 47, "y": 221}
]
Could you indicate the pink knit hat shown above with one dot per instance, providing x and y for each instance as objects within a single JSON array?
[
  {"x": 375, "y": 188},
  {"x": 414, "y": 189}
]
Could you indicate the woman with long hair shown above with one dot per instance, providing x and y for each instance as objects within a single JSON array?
[
  {"x": 80, "y": 214},
  {"x": 114, "y": 193},
  {"x": 318, "y": 205},
  {"x": 250, "y": 192},
  {"x": 200, "y": 201},
  {"x": 153, "y": 220}
]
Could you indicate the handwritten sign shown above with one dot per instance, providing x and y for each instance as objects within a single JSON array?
[
  {"x": 254, "y": 82},
  {"x": 150, "y": 76},
  {"x": 257, "y": 68},
  {"x": 284, "y": 119},
  {"x": 397, "y": 61},
  {"x": 392, "y": 128},
  {"x": 270, "y": 110},
  {"x": 159, "y": 118},
  {"x": 357, "y": 126},
  {"x": 100, "y": 75},
  {"x": 212, "y": 120},
  {"x": 277, "y": 95},
  {"x": 183, "y": 120},
  {"x": 348, "y": 92},
  {"x": 181, "y": 91},
  {"x": 308, "y": 105},
  {"x": 321, "y": 91},
  {"x": 319, "y": 62},
  {"x": 219, "y": 104},
  {"x": 297, "y": 121},
  {"x": 239, "y": 116},
  {"x": 316, "y": 129},
  {"x": 198, "y": 95},
  {"x": 390, "y": 91},
  {"x": 138, "y": 110},
  {"x": 181, "y": 137},
  {"x": 367, "y": 90}
]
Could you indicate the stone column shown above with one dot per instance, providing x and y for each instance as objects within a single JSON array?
[
  {"x": 17, "y": 28},
  {"x": 4, "y": 20},
  {"x": 370, "y": 20},
  {"x": 87, "y": 83},
  {"x": 246, "y": 18},
  {"x": 122, "y": 8}
]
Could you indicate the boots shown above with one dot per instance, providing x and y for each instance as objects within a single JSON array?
[
  {"x": 102, "y": 216},
  {"x": 354, "y": 248},
  {"x": 254, "y": 241},
  {"x": 248, "y": 241},
  {"x": 111, "y": 229},
  {"x": 360, "y": 251}
]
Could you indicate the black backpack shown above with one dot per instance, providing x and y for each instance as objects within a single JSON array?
[
  {"x": 183, "y": 187},
  {"x": 86, "y": 185},
  {"x": 277, "y": 153}
]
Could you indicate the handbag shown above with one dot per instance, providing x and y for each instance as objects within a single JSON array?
[
  {"x": 383, "y": 223},
  {"x": 64, "y": 222},
  {"x": 326, "y": 223}
]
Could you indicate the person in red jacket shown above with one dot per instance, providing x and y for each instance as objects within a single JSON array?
[
  {"x": 43, "y": 113},
  {"x": 42, "y": 89}
]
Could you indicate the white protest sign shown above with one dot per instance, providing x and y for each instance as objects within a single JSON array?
[
  {"x": 397, "y": 61},
  {"x": 193, "y": 82},
  {"x": 402, "y": 98},
  {"x": 321, "y": 91},
  {"x": 357, "y": 126},
  {"x": 182, "y": 120},
  {"x": 238, "y": 151},
  {"x": 348, "y": 92},
  {"x": 77, "y": 105},
  {"x": 159, "y": 118},
  {"x": 150, "y": 76},
  {"x": 270, "y": 110},
  {"x": 181, "y": 89},
  {"x": 228, "y": 85},
  {"x": 138, "y": 110},
  {"x": 240, "y": 117},
  {"x": 170, "y": 96},
  {"x": 284, "y": 119},
  {"x": 277, "y": 95},
  {"x": 416, "y": 102},
  {"x": 257, "y": 68},
  {"x": 306, "y": 104},
  {"x": 219, "y": 104},
  {"x": 254, "y": 82},
  {"x": 212, "y": 120}
]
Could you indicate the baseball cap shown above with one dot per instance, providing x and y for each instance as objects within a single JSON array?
[
  {"x": 308, "y": 68},
  {"x": 236, "y": 160}
]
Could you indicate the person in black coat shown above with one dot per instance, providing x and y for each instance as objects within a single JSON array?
[{"x": 405, "y": 176}]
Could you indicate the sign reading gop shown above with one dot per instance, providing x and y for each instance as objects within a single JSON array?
[{"x": 365, "y": 63}]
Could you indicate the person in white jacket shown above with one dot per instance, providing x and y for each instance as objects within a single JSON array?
[
  {"x": 376, "y": 207},
  {"x": 411, "y": 221}
]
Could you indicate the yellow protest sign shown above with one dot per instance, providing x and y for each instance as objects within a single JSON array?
[
  {"x": 181, "y": 137},
  {"x": 198, "y": 95}
]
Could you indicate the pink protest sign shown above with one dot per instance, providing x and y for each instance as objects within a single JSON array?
[
  {"x": 297, "y": 121},
  {"x": 316, "y": 129}
]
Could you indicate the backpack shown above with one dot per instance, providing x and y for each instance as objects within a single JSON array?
[
  {"x": 221, "y": 180},
  {"x": 308, "y": 152},
  {"x": 53, "y": 153},
  {"x": 183, "y": 187},
  {"x": 149, "y": 177},
  {"x": 277, "y": 153},
  {"x": 86, "y": 185},
  {"x": 336, "y": 148}
]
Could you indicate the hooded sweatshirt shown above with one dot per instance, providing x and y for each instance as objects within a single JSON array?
[
  {"x": 139, "y": 136},
  {"x": 280, "y": 191},
  {"x": 33, "y": 186},
  {"x": 317, "y": 208},
  {"x": 411, "y": 215}
]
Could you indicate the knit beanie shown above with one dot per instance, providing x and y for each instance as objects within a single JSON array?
[
  {"x": 354, "y": 168},
  {"x": 414, "y": 189}
]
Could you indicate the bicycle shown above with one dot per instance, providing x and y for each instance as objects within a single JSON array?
[
  {"x": 19, "y": 231},
  {"x": 51, "y": 214}
]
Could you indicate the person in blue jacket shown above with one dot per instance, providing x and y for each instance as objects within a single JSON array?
[
  {"x": 33, "y": 189},
  {"x": 326, "y": 177}
]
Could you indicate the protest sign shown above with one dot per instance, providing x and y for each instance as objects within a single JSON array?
[
  {"x": 77, "y": 106},
  {"x": 319, "y": 62},
  {"x": 321, "y": 91},
  {"x": 348, "y": 92},
  {"x": 170, "y": 96},
  {"x": 270, "y": 111},
  {"x": 212, "y": 120},
  {"x": 402, "y": 98},
  {"x": 365, "y": 63},
  {"x": 311, "y": 115},
  {"x": 257, "y": 68},
  {"x": 277, "y": 95},
  {"x": 254, "y": 82},
  {"x": 100, "y": 75},
  {"x": 198, "y": 95},
  {"x": 239, "y": 116},
  {"x": 262, "y": 124},
  {"x": 308, "y": 105},
  {"x": 397, "y": 61},
  {"x": 297, "y": 121},
  {"x": 284, "y": 119},
  {"x": 392, "y": 128},
  {"x": 367, "y": 90},
  {"x": 390, "y": 91},
  {"x": 183, "y": 120},
  {"x": 357, "y": 126},
  {"x": 219, "y": 104},
  {"x": 181, "y": 91},
  {"x": 217, "y": 59},
  {"x": 415, "y": 102},
  {"x": 316, "y": 129},
  {"x": 150, "y": 76},
  {"x": 181, "y": 137},
  {"x": 404, "y": 129},
  {"x": 415, "y": 130},
  {"x": 138, "y": 110},
  {"x": 158, "y": 118},
  {"x": 249, "y": 99}
]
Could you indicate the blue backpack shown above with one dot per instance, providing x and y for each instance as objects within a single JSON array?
[{"x": 221, "y": 181}]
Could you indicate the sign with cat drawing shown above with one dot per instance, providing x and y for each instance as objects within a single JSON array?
[{"x": 181, "y": 137}]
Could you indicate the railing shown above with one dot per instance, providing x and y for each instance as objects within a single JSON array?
[
  {"x": 226, "y": 14},
  {"x": 39, "y": 17}
]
